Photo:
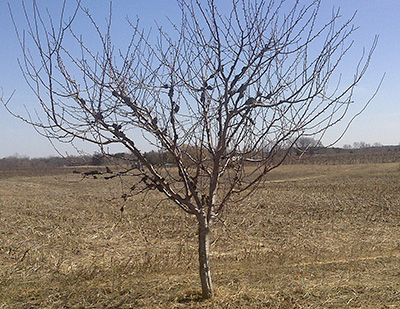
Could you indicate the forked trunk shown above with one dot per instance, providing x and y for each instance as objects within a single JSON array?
[{"x": 204, "y": 262}]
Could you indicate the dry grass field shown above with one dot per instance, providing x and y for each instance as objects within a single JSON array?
[{"x": 311, "y": 237}]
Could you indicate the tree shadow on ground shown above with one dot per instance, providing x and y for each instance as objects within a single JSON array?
[{"x": 190, "y": 297}]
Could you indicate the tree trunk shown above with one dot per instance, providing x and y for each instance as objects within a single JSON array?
[{"x": 204, "y": 262}]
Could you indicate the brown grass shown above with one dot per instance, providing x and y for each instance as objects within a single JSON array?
[{"x": 312, "y": 236}]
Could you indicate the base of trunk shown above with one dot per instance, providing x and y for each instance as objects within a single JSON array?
[{"x": 204, "y": 262}]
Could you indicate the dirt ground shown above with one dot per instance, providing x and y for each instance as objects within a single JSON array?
[{"x": 313, "y": 236}]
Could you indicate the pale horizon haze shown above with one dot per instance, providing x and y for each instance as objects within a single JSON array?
[{"x": 379, "y": 123}]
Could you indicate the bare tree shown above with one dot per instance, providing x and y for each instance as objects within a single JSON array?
[
  {"x": 225, "y": 96},
  {"x": 307, "y": 144}
]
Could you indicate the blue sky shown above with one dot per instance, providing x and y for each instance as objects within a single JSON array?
[{"x": 379, "y": 123}]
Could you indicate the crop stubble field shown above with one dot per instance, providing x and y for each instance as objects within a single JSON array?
[{"x": 319, "y": 236}]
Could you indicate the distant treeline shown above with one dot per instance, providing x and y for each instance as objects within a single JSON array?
[
  {"x": 18, "y": 162},
  {"x": 313, "y": 155},
  {"x": 331, "y": 156},
  {"x": 97, "y": 159}
]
